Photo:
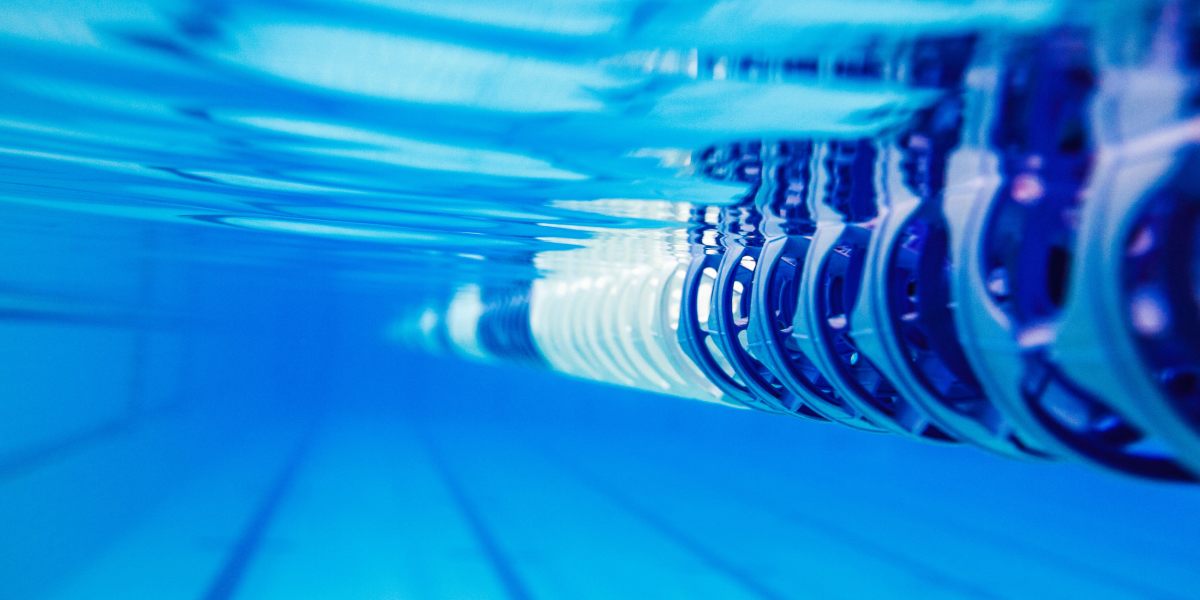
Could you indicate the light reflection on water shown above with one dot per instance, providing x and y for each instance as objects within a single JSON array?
[{"x": 230, "y": 114}]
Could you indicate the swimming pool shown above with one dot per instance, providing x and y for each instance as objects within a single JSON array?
[{"x": 854, "y": 299}]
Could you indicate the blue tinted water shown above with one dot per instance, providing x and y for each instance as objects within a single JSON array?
[{"x": 211, "y": 214}]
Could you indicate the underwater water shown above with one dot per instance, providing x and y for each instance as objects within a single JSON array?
[{"x": 284, "y": 284}]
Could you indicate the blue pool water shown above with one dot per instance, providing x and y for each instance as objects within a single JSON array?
[{"x": 222, "y": 224}]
